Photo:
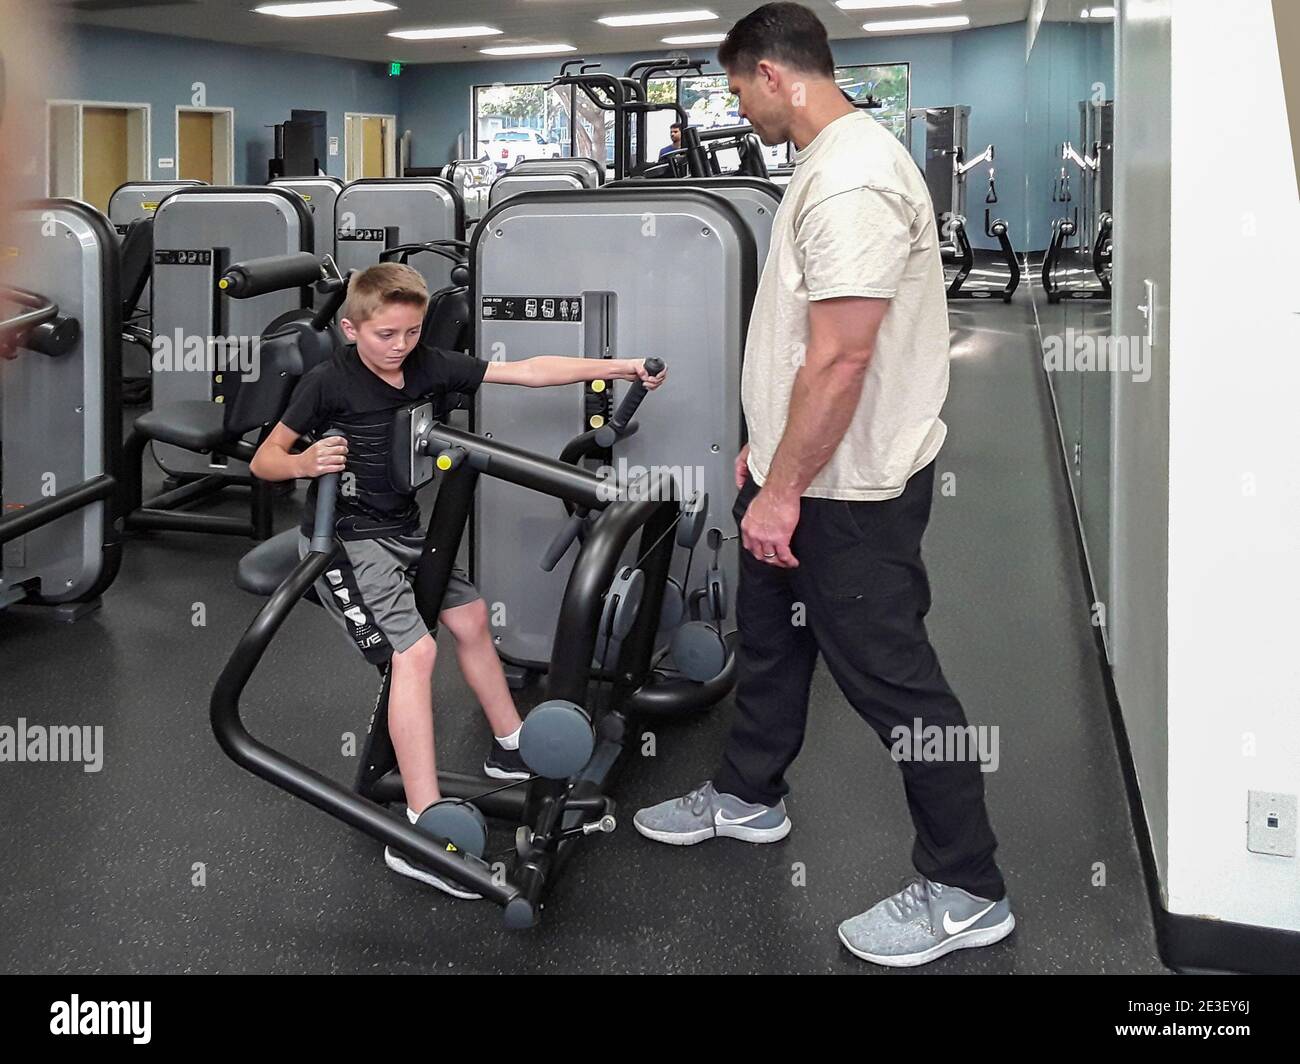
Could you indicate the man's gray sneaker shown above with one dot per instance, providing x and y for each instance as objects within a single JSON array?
[
  {"x": 706, "y": 814},
  {"x": 922, "y": 922}
]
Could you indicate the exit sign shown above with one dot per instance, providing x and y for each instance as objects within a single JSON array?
[{"x": 394, "y": 70}]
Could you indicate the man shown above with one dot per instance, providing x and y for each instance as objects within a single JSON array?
[
  {"x": 675, "y": 132},
  {"x": 845, "y": 373}
]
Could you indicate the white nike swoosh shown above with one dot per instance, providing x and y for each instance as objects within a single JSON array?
[
  {"x": 720, "y": 818},
  {"x": 953, "y": 926}
]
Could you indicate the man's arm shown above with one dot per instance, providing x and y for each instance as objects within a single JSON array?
[
  {"x": 856, "y": 245},
  {"x": 827, "y": 388},
  {"x": 842, "y": 337}
]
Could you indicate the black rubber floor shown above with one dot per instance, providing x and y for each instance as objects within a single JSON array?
[{"x": 172, "y": 859}]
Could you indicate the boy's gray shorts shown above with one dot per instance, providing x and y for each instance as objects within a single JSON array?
[{"x": 370, "y": 591}]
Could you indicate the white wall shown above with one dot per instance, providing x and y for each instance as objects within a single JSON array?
[{"x": 1234, "y": 463}]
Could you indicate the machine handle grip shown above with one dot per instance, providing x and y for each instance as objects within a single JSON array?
[
  {"x": 327, "y": 493},
  {"x": 561, "y": 543},
  {"x": 627, "y": 408},
  {"x": 275, "y": 273},
  {"x": 450, "y": 458}
]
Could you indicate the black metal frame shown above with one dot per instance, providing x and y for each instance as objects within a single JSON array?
[
  {"x": 685, "y": 163},
  {"x": 965, "y": 258},
  {"x": 552, "y": 813},
  {"x": 626, "y": 97},
  {"x": 1062, "y": 229}
]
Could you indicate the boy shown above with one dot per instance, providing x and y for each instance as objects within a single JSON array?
[{"x": 369, "y": 591}]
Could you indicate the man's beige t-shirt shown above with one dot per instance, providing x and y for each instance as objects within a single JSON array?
[{"x": 856, "y": 220}]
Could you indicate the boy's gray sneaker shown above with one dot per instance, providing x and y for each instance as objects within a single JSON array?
[
  {"x": 403, "y": 866},
  {"x": 922, "y": 922},
  {"x": 705, "y": 814}
]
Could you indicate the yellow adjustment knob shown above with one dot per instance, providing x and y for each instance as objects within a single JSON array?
[
  {"x": 219, "y": 399},
  {"x": 223, "y": 283},
  {"x": 597, "y": 386},
  {"x": 218, "y": 377},
  {"x": 443, "y": 462},
  {"x": 596, "y": 421}
]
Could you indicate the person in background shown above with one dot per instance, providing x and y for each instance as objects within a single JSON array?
[{"x": 674, "y": 131}]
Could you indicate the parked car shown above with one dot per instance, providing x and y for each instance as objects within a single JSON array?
[{"x": 508, "y": 146}]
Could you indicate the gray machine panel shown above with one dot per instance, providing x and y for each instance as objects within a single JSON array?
[
  {"x": 513, "y": 184},
  {"x": 590, "y": 171},
  {"x": 756, "y": 199},
  {"x": 140, "y": 199},
  {"x": 224, "y": 226},
  {"x": 373, "y": 214},
  {"x": 679, "y": 289},
  {"x": 319, "y": 193},
  {"x": 52, "y": 408}
]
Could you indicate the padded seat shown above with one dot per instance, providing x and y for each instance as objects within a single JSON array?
[
  {"x": 268, "y": 565},
  {"x": 194, "y": 424}
]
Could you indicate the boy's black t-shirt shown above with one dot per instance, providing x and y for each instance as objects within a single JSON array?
[{"x": 343, "y": 393}]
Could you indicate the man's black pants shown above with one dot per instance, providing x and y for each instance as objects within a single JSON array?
[{"x": 859, "y": 596}]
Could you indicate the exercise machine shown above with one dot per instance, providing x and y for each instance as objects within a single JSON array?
[
  {"x": 757, "y": 200},
  {"x": 203, "y": 345},
  {"x": 612, "y": 285},
  {"x": 376, "y": 214},
  {"x": 1086, "y": 230},
  {"x": 472, "y": 179},
  {"x": 604, "y": 645},
  {"x": 319, "y": 193},
  {"x": 131, "y": 209},
  {"x": 677, "y": 67},
  {"x": 137, "y": 200},
  {"x": 946, "y": 169},
  {"x": 60, "y": 316},
  {"x": 543, "y": 175},
  {"x": 730, "y": 151},
  {"x": 627, "y": 99}
]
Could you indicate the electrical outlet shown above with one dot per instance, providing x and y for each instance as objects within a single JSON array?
[{"x": 1271, "y": 823}]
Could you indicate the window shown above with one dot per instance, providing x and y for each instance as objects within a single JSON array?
[
  {"x": 566, "y": 118},
  {"x": 511, "y": 120},
  {"x": 707, "y": 102},
  {"x": 889, "y": 84}
]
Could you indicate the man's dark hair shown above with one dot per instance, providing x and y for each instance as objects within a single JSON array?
[{"x": 787, "y": 33}]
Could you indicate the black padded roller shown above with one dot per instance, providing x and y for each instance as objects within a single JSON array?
[{"x": 275, "y": 273}]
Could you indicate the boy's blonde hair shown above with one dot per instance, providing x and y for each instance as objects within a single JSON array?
[{"x": 377, "y": 286}]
